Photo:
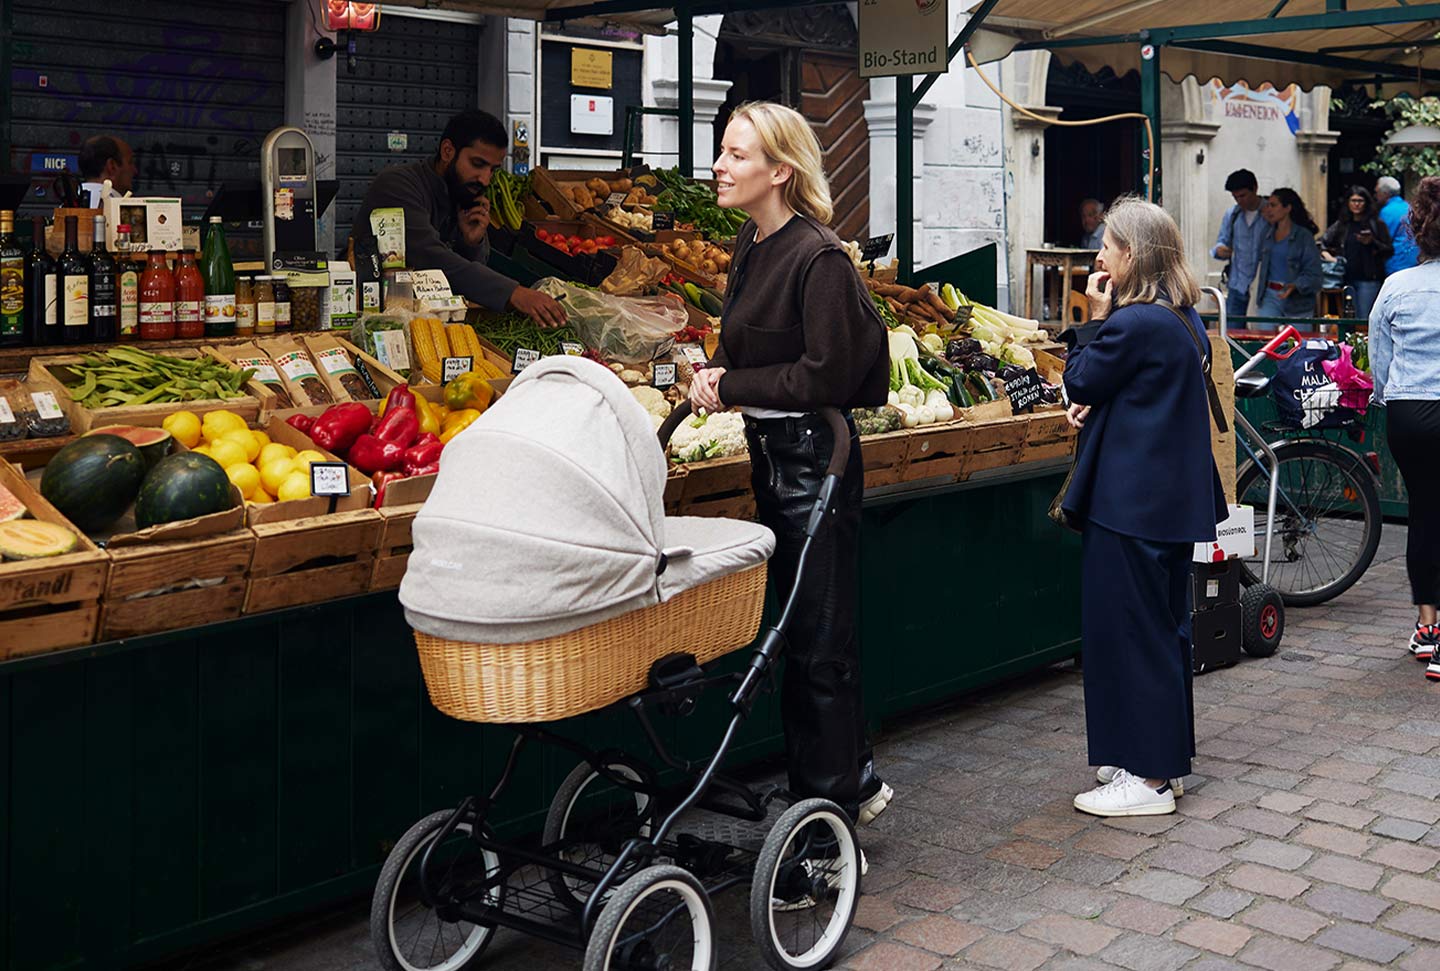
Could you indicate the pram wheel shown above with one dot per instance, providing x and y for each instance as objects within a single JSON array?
[
  {"x": 596, "y": 817},
  {"x": 659, "y": 920},
  {"x": 408, "y": 935},
  {"x": 806, "y": 886},
  {"x": 1263, "y": 620}
]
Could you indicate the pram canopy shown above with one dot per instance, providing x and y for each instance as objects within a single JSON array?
[{"x": 548, "y": 516}]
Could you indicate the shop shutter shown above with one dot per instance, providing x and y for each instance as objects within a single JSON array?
[
  {"x": 410, "y": 77},
  {"x": 192, "y": 91}
]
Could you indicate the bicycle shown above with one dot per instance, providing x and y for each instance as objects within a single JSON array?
[{"x": 1320, "y": 500}]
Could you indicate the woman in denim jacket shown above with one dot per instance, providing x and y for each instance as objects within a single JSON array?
[
  {"x": 1289, "y": 274},
  {"x": 1405, "y": 364}
]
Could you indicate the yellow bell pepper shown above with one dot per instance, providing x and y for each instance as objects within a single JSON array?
[
  {"x": 457, "y": 422},
  {"x": 469, "y": 390},
  {"x": 441, "y": 412},
  {"x": 429, "y": 421}
]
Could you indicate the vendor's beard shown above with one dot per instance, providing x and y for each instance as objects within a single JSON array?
[{"x": 462, "y": 194}]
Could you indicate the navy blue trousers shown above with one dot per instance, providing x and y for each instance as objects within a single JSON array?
[{"x": 1135, "y": 635}]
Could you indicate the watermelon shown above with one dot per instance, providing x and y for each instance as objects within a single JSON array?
[
  {"x": 182, "y": 486},
  {"x": 10, "y": 507},
  {"x": 153, "y": 443},
  {"x": 93, "y": 480},
  {"x": 30, "y": 539}
]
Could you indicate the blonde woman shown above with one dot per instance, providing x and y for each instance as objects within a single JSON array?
[
  {"x": 799, "y": 334},
  {"x": 1144, "y": 490}
]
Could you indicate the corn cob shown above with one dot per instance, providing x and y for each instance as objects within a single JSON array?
[{"x": 423, "y": 345}]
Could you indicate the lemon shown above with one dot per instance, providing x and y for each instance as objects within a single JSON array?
[
  {"x": 303, "y": 459},
  {"x": 260, "y": 498},
  {"x": 271, "y": 452},
  {"x": 245, "y": 477},
  {"x": 201, "y": 449},
  {"x": 260, "y": 437},
  {"x": 184, "y": 427},
  {"x": 274, "y": 472},
  {"x": 228, "y": 452},
  {"x": 224, "y": 421},
  {"x": 246, "y": 440},
  {"x": 295, "y": 486}
]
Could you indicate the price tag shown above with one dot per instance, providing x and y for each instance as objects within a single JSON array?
[
  {"x": 524, "y": 357},
  {"x": 329, "y": 479},
  {"x": 572, "y": 348},
  {"x": 453, "y": 367},
  {"x": 664, "y": 376},
  {"x": 662, "y": 220},
  {"x": 614, "y": 198},
  {"x": 431, "y": 285},
  {"x": 7, "y": 414},
  {"x": 46, "y": 406},
  {"x": 1024, "y": 391},
  {"x": 876, "y": 247}
]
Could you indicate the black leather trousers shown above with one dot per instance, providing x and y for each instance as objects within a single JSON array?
[{"x": 821, "y": 706}]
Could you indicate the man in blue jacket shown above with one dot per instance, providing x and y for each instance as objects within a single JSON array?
[
  {"x": 1395, "y": 214},
  {"x": 1239, "y": 241}
]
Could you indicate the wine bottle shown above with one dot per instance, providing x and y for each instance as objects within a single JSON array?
[
  {"x": 12, "y": 284},
  {"x": 219, "y": 274},
  {"x": 127, "y": 286},
  {"x": 103, "y": 286},
  {"x": 74, "y": 287},
  {"x": 42, "y": 288}
]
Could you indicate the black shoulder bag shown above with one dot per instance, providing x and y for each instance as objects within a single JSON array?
[{"x": 1057, "y": 513}]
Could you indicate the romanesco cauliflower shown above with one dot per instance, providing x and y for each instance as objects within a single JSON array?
[{"x": 708, "y": 437}]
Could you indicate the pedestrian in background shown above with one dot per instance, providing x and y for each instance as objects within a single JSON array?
[
  {"x": 1289, "y": 275},
  {"x": 1405, "y": 366},
  {"x": 1361, "y": 239},
  {"x": 1395, "y": 213},
  {"x": 1241, "y": 230},
  {"x": 1143, "y": 491},
  {"x": 1092, "y": 223}
]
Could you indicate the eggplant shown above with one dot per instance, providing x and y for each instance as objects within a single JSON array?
[
  {"x": 962, "y": 347},
  {"x": 979, "y": 362},
  {"x": 1011, "y": 372},
  {"x": 1050, "y": 394}
]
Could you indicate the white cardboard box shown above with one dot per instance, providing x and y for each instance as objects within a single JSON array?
[{"x": 1234, "y": 537}]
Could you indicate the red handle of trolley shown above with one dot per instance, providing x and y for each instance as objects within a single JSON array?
[{"x": 1272, "y": 350}]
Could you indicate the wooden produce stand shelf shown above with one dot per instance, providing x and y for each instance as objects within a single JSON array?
[
  {"x": 395, "y": 544},
  {"x": 310, "y": 560},
  {"x": 210, "y": 574}
]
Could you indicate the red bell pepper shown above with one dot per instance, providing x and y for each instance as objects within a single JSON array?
[
  {"x": 425, "y": 439},
  {"x": 337, "y": 429},
  {"x": 432, "y": 469},
  {"x": 422, "y": 456},
  {"x": 399, "y": 426},
  {"x": 370, "y": 455},
  {"x": 302, "y": 423},
  {"x": 380, "y": 480},
  {"x": 400, "y": 397}
]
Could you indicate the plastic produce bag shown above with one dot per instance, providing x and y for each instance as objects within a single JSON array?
[
  {"x": 1355, "y": 385},
  {"x": 632, "y": 330}
]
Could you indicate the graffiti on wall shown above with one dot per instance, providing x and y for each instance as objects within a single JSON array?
[{"x": 1265, "y": 103}]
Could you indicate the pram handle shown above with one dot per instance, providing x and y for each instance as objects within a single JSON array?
[
  {"x": 1269, "y": 350},
  {"x": 838, "y": 429}
]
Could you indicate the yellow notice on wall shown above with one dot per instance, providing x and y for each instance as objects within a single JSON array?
[{"x": 590, "y": 68}]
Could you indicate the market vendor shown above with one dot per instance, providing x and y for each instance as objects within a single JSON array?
[
  {"x": 102, "y": 158},
  {"x": 447, "y": 215}
]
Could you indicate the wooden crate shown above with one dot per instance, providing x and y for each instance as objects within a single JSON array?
[
  {"x": 49, "y": 603},
  {"x": 994, "y": 444},
  {"x": 51, "y": 374},
  {"x": 141, "y": 596},
  {"x": 395, "y": 545},
  {"x": 885, "y": 457},
  {"x": 717, "y": 487},
  {"x": 938, "y": 450},
  {"x": 311, "y": 560},
  {"x": 1048, "y": 437},
  {"x": 551, "y": 185}
]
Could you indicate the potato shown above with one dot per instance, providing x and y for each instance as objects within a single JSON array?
[
  {"x": 635, "y": 195},
  {"x": 709, "y": 266},
  {"x": 621, "y": 185},
  {"x": 598, "y": 186}
]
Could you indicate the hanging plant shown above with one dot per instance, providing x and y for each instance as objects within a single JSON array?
[{"x": 1419, "y": 160}]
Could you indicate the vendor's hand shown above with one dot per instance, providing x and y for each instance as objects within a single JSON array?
[
  {"x": 1326, "y": 257},
  {"x": 1224, "y": 252},
  {"x": 1097, "y": 291},
  {"x": 705, "y": 390},
  {"x": 1365, "y": 236},
  {"x": 539, "y": 307},
  {"x": 475, "y": 222},
  {"x": 1287, "y": 291},
  {"x": 1076, "y": 415}
]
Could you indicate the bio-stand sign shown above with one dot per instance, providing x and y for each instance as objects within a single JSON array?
[{"x": 900, "y": 37}]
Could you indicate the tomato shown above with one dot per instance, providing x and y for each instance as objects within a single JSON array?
[
  {"x": 589, "y": 246},
  {"x": 542, "y": 234},
  {"x": 606, "y": 241},
  {"x": 576, "y": 241}
]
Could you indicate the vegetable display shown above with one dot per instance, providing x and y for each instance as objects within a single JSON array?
[
  {"x": 93, "y": 480},
  {"x": 705, "y": 436},
  {"x": 31, "y": 539},
  {"x": 511, "y": 331},
  {"x": 182, "y": 486},
  {"x": 129, "y": 376},
  {"x": 695, "y": 203},
  {"x": 506, "y": 191}
]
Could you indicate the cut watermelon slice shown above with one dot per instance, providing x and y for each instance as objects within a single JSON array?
[
  {"x": 10, "y": 507},
  {"x": 153, "y": 443}
]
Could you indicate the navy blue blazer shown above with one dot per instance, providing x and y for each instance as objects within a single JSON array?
[{"x": 1143, "y": 464}]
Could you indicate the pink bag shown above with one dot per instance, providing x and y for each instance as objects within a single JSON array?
[{"x": 1354, "y": 384}]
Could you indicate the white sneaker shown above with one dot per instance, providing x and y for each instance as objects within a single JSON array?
[
  {"x": 1125, "y": 795},
  {"x": 876, "y": 804},
  {"x": 807, "y": 901},
  {"x": 1107, "y": 772}
]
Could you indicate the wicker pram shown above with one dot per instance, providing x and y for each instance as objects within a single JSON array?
[{"x": 546, "y": 579}]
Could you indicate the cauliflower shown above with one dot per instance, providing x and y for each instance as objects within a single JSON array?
[
  {"x": 708, "y": 437},
  {"x": 652, "y": 400}
]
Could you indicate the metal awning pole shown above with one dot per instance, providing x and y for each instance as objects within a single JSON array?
[
  {"x": 687, "y": 88},
  {"x": 904, "y": 177},
  {"x": 1150, "y": 84}
]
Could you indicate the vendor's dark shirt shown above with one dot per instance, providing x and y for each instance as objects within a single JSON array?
[
  {"x": 1363, "y": 261},
  {"x": 432, "y": 233},
  {"x": 799, "y": 331}
]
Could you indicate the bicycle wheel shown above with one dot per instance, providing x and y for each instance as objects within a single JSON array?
[{"x": 1327, "y": 521}]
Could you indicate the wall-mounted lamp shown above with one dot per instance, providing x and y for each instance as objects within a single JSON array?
[
  {"x": 1324, "y": 165},
  {"x": 1200, "y": 157},
  {"x": 1035, "y": 148}
]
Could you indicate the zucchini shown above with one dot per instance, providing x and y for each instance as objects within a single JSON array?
[
  {"x": 958, "y": 396},
  {"x": 980, "y": 387}
]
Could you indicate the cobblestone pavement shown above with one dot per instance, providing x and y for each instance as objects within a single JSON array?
[{"x": 1306, "y": 841}]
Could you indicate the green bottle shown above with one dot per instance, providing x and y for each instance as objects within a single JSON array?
[
  {"x": 219, "y": 274},
  {"x": 12, "y": 284}
]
